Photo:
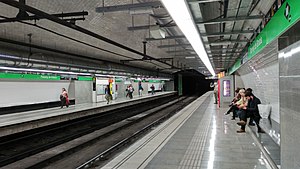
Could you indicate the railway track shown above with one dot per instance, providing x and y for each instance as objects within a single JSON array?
[{"x": 35, "y": 149}]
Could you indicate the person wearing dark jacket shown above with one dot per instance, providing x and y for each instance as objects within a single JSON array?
[
  {"x": 108, "y": 95},
  {"x": 251, "y": 110},
  {"x": 251, "y": 117}
]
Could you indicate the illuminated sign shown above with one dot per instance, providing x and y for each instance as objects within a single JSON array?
[{"x": 226, "y": 88}]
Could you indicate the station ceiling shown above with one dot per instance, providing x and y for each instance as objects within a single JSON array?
[{"x": 118, "y": 30}]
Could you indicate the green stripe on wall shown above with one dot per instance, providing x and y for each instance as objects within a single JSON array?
[
  {"x": 27, "y": 76},
  {"x": 85, "y": 78},
  {"x": 278, "y": 24}
]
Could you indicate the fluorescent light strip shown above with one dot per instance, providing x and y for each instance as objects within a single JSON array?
[
  {"x": 43, "y": 71},
  {"x": 180, "y": 13},
  {"x": 190, "y": 57}
]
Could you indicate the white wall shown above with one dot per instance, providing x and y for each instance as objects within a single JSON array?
[
  {"x": 83, "y": 91},
  {"x": 16, "y": 92}
]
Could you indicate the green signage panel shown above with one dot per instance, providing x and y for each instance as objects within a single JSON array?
[
  {"x": 85, "y": 78},
  {"x": 287, "y": 15},
  {"x": 235, "y": 66},
  {"x": 119, "y": 80},
  {"x": 154, "y": 81},
  {"x": 27, "y": 76}
]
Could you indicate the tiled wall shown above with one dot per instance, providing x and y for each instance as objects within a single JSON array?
[
  {"x": 238, "y": 81},
  {"x": 290, "y": 106},
  {"x": 261, "y": 74}
]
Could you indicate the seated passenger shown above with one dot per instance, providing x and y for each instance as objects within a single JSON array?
[
  {"x": 251, "y": 110},
  {"x": 234, "y": 100},
  {"x": 237, "y": 106}
]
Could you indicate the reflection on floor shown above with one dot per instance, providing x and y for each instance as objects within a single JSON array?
[{"x": 271, "y": 139}]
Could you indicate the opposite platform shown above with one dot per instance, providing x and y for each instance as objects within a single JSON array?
[
  {"x": 22, "y": 121},
  {"x": 197, "y": 137}
]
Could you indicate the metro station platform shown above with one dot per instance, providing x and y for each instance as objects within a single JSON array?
[
  {"x": 200, "y": 136},
  {"x": 22, "y": 121}
]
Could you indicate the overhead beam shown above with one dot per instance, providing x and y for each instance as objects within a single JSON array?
[
  {"x": 175, "y": 45},
  {"x": 75, "y": 27},
  {"x": 180, "y": 51},
  {"x": 203, "y": 1},
  {"x": 227, "y": 53},
  {"x": 116, "y": 8},
  {"x": 189, "y": 55},
  {"x": 166, "y": 38},
  {"x": 226, "y": 33},
  {"x": 229, "y": 19},
  {"x": 223, "y": 57},
  {"x": 228, "y": 42},
  {"x": 35, "y": 17},
  {"x": 219, "y": 58},
  {"x": 143, "y": 27},
  {"x": 161, "y": 59},
  {"x": 224, "y": 49},
  {"x": 75, "y": 55}
]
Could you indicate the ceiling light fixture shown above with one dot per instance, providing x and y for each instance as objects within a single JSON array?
[
  {"x": 190, "y": 57},
  {"x": 181, "y": 15}
]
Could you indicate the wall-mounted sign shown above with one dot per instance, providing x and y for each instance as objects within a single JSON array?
[
  {"x": 226, "y": 88},
  {"x": 28, "y": 76},
  {"x": 287, "y": 15},
  {"x": 221, "y": 74}
]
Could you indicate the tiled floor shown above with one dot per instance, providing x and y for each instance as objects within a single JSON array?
[{"x": 203, "y": 138}]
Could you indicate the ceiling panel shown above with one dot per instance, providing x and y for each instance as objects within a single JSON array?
[{"x": 114, "y": 26}]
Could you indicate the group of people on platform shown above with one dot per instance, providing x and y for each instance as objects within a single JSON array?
[
  {"x": 245, "y": 105},
  {"x": 64, "y": 98},
  {"x": 129, "y": 91}
]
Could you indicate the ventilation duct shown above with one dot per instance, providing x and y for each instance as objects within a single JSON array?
[{"x": 156, "y": 32}]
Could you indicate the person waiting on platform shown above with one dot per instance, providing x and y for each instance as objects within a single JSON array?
[
  {"x": 108, "y": 95},
  {"x": 215, "y": 86},
  {"x": 64, "y": 98},
  {"x": 152, "y": 89},
  {"x": 130, "y": 90},
  {"x": 140, "y": 89}
]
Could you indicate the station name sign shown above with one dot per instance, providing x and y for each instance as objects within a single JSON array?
[{"x": 286, "y": 16}]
